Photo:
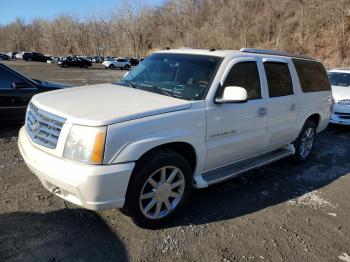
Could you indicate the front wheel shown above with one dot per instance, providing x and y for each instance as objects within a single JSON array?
[
  {"x": 127, "y": 67},
  {"x": 111, "y": 66},
  {"x": 305, "y": 142},
  {"x": 161, "y": 183}
]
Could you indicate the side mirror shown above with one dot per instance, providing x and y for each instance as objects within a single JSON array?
[
  {"x": 233, "y": 94},
  {"x": 19, "y": 85}
]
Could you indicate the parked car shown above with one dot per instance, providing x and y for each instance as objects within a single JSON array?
[
  {"x": 340, "y": 80},
  {"x": 74, "y": 62},
  {"x": 53, "y": 60},
  {"x": 96, "y": 59},
  {"x": 134, "y": 61},
  {"x": 121, "y": 63},
  {"x": 16, "y": 90},
  {"x": 185, "y": 118},
  {"x": 20, "y": 55},
  {"x": 12, "y": 55},
  {"x": 4, "y": 57},
  {"x": 34, "y": 56}
]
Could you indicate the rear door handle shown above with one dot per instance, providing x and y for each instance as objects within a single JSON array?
[
  {"x": 292, "y": 108},
  {"x": 262, "y": 112}
]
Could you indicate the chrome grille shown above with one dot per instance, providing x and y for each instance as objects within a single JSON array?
[{"x": 43, "y": 127}]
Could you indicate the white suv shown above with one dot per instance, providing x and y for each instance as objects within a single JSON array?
[
  {"x": 181, "y": 119},
  {"x": 121, "y": 63},
  {"x": 340, "y": 81}
]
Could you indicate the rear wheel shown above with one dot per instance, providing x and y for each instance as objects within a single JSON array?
[
  {"x": 65, "y": 65},
  {"x": 162, "y": 182},
  {"x": 127, "y": 67},
  {"x": 305, "y": 142},
  {"x": 86, "y": 66}
]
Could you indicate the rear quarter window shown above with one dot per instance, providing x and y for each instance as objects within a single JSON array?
[{"x": 312, "y": 76}]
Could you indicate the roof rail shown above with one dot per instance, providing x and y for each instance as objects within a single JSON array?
[{"x": 273, "y": 52}]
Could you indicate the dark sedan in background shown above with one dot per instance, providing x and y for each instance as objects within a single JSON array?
[
  {"x": 75, "y": 62},
  {"x": 16, "y": 90},
  {"x": 34, "y": 56},
  {"x": 4, "y": 57}
]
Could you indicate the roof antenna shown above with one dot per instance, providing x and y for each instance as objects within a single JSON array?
[
  {"x": 167, "y": 48},
  {"x": 212, "y": 49}
]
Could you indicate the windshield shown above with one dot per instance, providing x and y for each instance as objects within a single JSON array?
[
  {"x": 339, "y": 79},
  {"x": 179, "y": 75}
]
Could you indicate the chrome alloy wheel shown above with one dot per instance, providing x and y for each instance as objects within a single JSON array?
[
  {"x": 307, "y": 142},
  {"x": 162, "y": 192}
]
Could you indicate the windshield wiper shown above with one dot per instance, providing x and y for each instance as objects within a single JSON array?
[
  {"x": 165, "y": 92},
  {"x": 131, "y": 84}
]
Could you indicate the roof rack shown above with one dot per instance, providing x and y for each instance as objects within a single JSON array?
[{"x": 273, "y": 52}]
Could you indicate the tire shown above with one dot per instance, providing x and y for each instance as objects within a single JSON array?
[
  {"x": 305, "y": 142},
  {"x": 86, "y": 66},
  {"x": 111, "y": 67},
  {"x": 127, "y": 67},
  {"x": 158, "y": 195},
  {"x": 65, "y": 65}
]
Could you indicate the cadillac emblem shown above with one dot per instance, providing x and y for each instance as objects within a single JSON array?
[{"x": 35, "y": 126}]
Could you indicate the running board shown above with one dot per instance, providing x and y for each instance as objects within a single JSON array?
[{"x": 236, "y": 169}]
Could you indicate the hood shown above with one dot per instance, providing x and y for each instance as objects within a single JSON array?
[
  {"x": 106, "y": 104},
  {"x": 341, "y": 92}
]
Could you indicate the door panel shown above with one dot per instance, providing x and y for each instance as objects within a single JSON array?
[
  {"x": 281, "y": 121},
  {"x": 237, "y": 131},
  {"x": 282, "y": 106},
  {"x": 234, "y": 132}
]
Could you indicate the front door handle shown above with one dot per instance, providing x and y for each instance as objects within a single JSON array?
[
  {"x": 292, "y": 108},
  {"x": 262, "y": 112}
]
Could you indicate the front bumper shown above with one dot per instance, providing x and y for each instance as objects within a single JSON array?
[
  {"x": 341, "y": 114},
  {"x": 89, "y": 186}
]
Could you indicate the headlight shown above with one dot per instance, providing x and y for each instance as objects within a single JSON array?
[{"x": 85, "y": 144}]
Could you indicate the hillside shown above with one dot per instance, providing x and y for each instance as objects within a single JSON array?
[{"x": 319, "y": 28}]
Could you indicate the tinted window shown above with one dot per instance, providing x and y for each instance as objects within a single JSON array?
[
  {"x": 339, "y": 79},
  {"x": 279, "y": 80},
  {"x": 246, "y": 75},
  {"x": 312, "y": 76},
  {"x": 7, "y": 78}
]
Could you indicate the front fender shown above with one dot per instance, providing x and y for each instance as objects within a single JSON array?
[{"x": 128, "y": 141}]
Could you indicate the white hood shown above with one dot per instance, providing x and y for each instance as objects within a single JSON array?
[
  {"x": 340, "y": 92},
  {"x": 105, "y": 104}
]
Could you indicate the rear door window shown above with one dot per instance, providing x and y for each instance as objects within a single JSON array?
[
  {"x": 312, "y": 76},
  {"x": 278, "y": 79}
]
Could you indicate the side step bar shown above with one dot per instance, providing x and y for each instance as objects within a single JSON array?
[{"x": 233, "y": 170}]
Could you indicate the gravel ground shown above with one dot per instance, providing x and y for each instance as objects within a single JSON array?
[{"x": 282, "y": 212}]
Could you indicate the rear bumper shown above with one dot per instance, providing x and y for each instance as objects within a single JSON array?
[{"x": 88, "y": 186}]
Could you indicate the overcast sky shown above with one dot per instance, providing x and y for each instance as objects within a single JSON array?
[{"x": 29, "y": 9}]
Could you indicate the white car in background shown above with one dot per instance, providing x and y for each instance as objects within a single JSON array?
[
  {"x": 19, "y": 55},
  {"x": 340, "y": 81},
  {"x": 119, "y": 62}
]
